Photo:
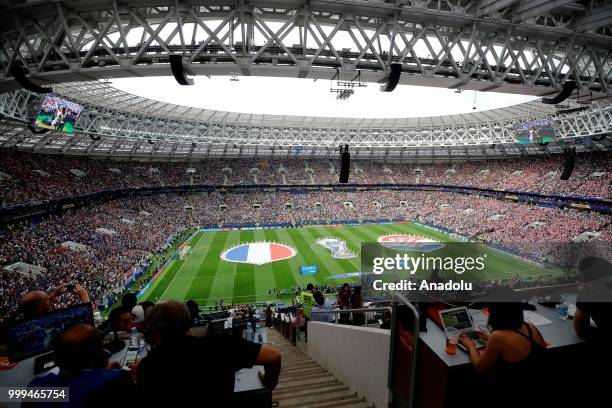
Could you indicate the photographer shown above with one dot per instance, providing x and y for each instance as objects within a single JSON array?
[{"x": 37, "y": 302}]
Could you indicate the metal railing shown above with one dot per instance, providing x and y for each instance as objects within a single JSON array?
[
  {"x": 392, "y": 310},
  {"x": 369, "y": 314},
  {"x": 398, "y": 401}
]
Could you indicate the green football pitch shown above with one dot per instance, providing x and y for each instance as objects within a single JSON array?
[{"x": 203, "y": 276}]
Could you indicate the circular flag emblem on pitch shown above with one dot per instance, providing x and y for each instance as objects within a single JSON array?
[
  {"x": 409, "y": 243},
  {"x": 258, "y": 253}
]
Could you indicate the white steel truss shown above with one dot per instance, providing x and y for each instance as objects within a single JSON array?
[
  {"x": 16, "y": 136},
  {"x": 151, "y": 133},
  {"x": 491, "y": 45}
]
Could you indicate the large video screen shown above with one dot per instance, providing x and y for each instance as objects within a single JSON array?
[
  {"x": 535, "y": 131},
  {"x": 58, "y": 114}
]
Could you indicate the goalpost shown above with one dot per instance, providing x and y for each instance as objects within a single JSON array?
[{"x": 184, "y": 251}]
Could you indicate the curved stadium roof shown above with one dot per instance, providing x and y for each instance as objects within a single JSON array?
[{"x": 103, "y": 94}]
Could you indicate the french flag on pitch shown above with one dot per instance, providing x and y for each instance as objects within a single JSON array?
[{"x": 258, "y": 253}]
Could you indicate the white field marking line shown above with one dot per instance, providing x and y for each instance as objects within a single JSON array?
[
  {"x": 167, "y": 263},
  {"x": 234, "y": 275},
  {"x": 179, "y": 271},
  {"x": 205, "y": 277},
  {"x": 175, "y": 275},
  {"x": 203, "y": 258},
  {"x": 241, "y": 296},
  {"x": 212, "y": 284}
]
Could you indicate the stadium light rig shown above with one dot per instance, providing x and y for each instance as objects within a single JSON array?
[
  {"x": 345, "y": 89},
  {"x": 344, "y": 94}
]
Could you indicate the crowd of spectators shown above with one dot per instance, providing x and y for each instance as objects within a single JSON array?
[
  {"x": 296, "y": 290},
  {"x": 118, "y": 238},
  {"x": 121, "y": 235},
  {"x": 169, "y": 337},
  {"x": 26, "y": 178}
]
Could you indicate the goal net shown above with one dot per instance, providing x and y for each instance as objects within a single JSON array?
[{"x": 184, "y": 251}]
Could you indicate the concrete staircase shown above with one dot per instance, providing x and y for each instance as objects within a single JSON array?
[{"x": 305, "y": 384}]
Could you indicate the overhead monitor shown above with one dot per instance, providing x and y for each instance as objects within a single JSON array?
[
  {"x": 58, "y": 114},
  {"x": 535, "y": 131}
]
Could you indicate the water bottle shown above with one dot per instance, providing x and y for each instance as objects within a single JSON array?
[
  {"x": 134, "y": 339},
  {"x": 563, "y": 310},
  {"x": 258, "y": 335},
  {"x": 248, "y": 335}
]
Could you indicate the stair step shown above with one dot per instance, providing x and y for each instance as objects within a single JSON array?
[
  {"x": 319, "y": 389},
  {"x": 318, "y": 398},
  {"x": 291, "y": 370},
  {"x": 303, "y": 383},
  {"x": 292, "y": 375},
  {"x": 325, "y": 379},
  {"x": 295, "y": 359},
  {"x": 309, "y": 364},
  {"x": 299, "y": 377},
  {"x": 353, "y": 402},
  {"x": 294, "y": 370}
]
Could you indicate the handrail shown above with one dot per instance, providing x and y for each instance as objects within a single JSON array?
[
  {"x": 338, "y": 312},
  {"x": 375, "y": 309},
  {"x": 397, "y": 300},
  {"x": 382, "y": 302},
  {"x": 415, "y": 343}
]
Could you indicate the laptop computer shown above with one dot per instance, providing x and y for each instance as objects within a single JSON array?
[
  {"x": 38, "y": 336},
  {"x": 460, "y": 319}
]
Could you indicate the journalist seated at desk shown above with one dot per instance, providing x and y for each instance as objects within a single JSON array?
[
  {"x": 594, "y": 302},
  {"x": 513, "y": 355},
  {"x": 513, "y": 345},
  {"x": 180, "y": 365},
  {"x": 84, "y": 368}
]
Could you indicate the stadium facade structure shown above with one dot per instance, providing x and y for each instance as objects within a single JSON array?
[
  {"x": 488, "y": 46},
  {"x": 125, "y": 127}
]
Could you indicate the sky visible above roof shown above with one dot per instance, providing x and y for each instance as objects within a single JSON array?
[{"x": 307, "y": 97}]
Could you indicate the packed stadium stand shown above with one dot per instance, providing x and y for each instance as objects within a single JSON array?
[
  {"x": 141, "y": 226},
  {"x": 30, "y": 178},
  {"x": 164, "y": 254}
]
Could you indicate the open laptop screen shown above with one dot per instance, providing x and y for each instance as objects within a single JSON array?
[
  {"x": 457, "y": 318},
  {"x": 29, "y": 338}
]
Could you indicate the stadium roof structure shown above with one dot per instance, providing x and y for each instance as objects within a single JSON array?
[
  {"x": 527, "y": 47},
  {"x": 104, "y": 95},
  {"x": 108, "y": 132},
  {"x": 489, "y": 46}
]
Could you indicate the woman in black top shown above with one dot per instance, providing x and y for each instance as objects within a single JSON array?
[
  {"x": 513, "y": 355},
  {"x": 511, "y": 343}
]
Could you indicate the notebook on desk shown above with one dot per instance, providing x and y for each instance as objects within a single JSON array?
[{"x": 535, "y": 318}]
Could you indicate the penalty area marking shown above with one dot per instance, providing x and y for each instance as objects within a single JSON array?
[{"x": 181, "y": 267}]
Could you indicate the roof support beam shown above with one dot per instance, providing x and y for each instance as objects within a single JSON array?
[
  {"x": 534, "y": 8},
  {"x": 487, "y": 7},
  {"x": 597, "y": 18}
]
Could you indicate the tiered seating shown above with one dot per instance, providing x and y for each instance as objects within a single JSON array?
[{"x": 26, "y": 181}]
